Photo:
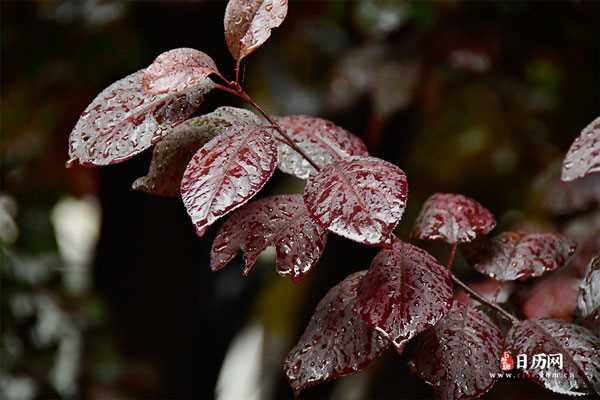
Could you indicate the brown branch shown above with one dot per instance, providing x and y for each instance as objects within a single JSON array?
[
  {"x": 244, "y": 96},
  {"x": 485, "y": 301}
]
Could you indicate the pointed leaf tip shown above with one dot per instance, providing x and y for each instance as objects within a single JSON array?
[
  {"x": 226, "y": 173},
  {"x": 123, "y": 120},
  {"x": 281, "y": 221},
  {"x": 248, "y": 24},
  {"x": 404, "y": 292}
]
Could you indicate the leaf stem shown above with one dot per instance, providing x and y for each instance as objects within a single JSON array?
[
  {"x": 452, "y": 255},
  {"x": 287, "y": 139},
  {"x": 239, "y": 92},
  {"x": 485, "y": 301},
  {"x": 237, "y": 71}
]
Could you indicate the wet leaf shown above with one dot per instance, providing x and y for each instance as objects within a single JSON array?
[
  {"x": 453, "y": 218},
  {"x": 281, "y": 221},
  {"x": 579, "y": 348},
  {"x": 583, "y": 157},
  {"x": 321, "y": 140},
  {"x": 226, "y": 173},
  {"x": 460, "y": 355},
  {"x": 567, "y": 197},
  {"x": 584, "y": 230},
  {"x": 336, "y": 342},
  {"x": 171, "y": 155},
  {"x": 361, "y": 198},
  {"x": 553, "y": 296},
  {"x": 514, "y": 255},
  {"x": 178, "y": 70},
  {"x": 588, "y": 299},
  {"x": 248, "y": 24},
  {"x": 123, "y": 120},
  {"x": 404, "y": 292}
]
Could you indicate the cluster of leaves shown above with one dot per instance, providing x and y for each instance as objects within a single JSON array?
[{"x": 219, "y": 161}]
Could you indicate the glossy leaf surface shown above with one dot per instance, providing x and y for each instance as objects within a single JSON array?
[
  {"x": 281, "y": 221},
  {"x": 171, "y": 155},
  {"x": 321, "y": 140},
  {"x": 178, "y": 70},
  {"x": 405, "y": 291},
  {"x": 361, "y": 198},
  {"x": 513, "y": 255},
  {"x": 552, "y": 296},
  {"x": 588, "y": 299},
  {"x": 453, "y": 218},
  {"x": 248, "y": 24},
  {"x": 583, "y": 157},
  {"x": 123, "y": 120},
  {"x": 460, "y": 355},
  {"x": 336, "y": 342},
  {"x": 226, "y": 173},
  {"x": 580, "y": 372}
]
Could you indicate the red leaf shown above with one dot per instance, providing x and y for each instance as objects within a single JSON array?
[
  {"x": 583, "y": 157},
  {"x": 580, "y": 372},
  {"x": 281, "y": 221},
  {"x": 172, "y": 154},
  {"x": 553, "y": 296},
  {"x": 584, "y": 230},
  {"x": 226, "y": 173},
  {"x": 460, "y": 355},
  {"x": 336, "y": 342},
  {"x": 588, "y": 300},
  {"x": 361, "y": 198},
  {"x": 248, "y": 24},
  {"x": 568, "y": 197},
  {"x": 405, "y": 291},
  {"x": 513, "y": 255},
  {"x": 322, "y": 140},
  {"x": 177, "y": 70},
  {"x": 123, "y": 121},
  {"x": 453, "y": 218}
]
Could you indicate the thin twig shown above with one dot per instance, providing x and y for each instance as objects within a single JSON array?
[
  {"x": 237, "y": 72},
  {"x": 452, "y": 255},
  {"x": 483, "y": 300}
]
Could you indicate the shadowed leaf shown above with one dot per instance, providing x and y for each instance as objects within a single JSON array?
[
  {"x": 453, "y": 218},
  {"x": 123, "y": 120},
  {"x": 553, "y": 296},
  {"x": 580, "y": 372},
  {"x": 588, "y": 300},
  {"x": 460, "y": 355},
  {"x": 336, "y": 342},
  {"x": 361, "y": 198},
  {"x": 226, "y": 173},
  {"x": 405, "y": 291},
  {"x": 171, "y": 155},
  {"x": 248, "y": 24},
  {"x": 321, "y": 140},
  {"x": 513, "y": 255},
  {"x": 281, "y": 221},
  {"x": 583, "y": 157}
]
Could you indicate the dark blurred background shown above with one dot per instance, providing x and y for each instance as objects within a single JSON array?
[{"x": 106, "y": 293}]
